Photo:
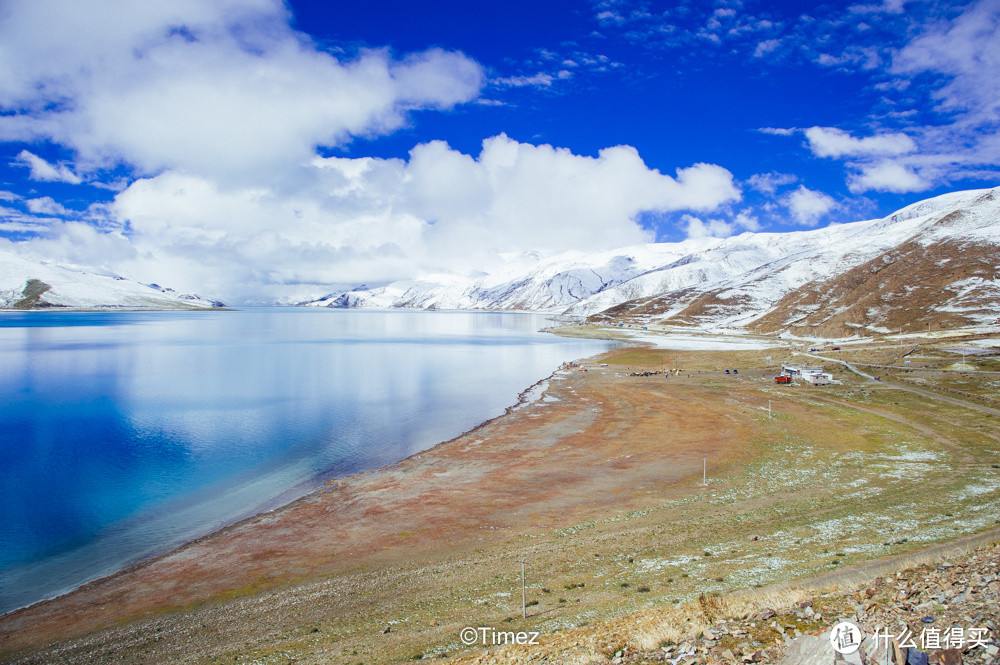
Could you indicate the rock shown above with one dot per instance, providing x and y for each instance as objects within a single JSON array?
[
  {"x": 916, "y": 657},
  {"x": 808, "y": 650},
  {"x": 766, "y": 614},
  {"x": 387, "y": 630},
  {"x": 946, "y": 657}
]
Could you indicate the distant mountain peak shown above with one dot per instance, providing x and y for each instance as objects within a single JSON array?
[
  {"x": 815, "y": 280},
  {"x": 30, "y": 284}
]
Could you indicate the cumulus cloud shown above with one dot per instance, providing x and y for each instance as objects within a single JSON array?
[
  {"x": 887, "y": 177},
  {"x": 701, "y": 228},
  {"x": 217, "y": 109},
  {"x": 765, "y": 47},
  {"x": 46, "y": 205},
  {"x": 696, "y": 227},
  {"x": 42, "y": 170},
  {"x": 367, "y": 220},
  {"x": 219, "y": 87},
  {"x": 834, "y": 142},
  {"x": 807, "y": 206},
  {"x": 768, "y": 183}
]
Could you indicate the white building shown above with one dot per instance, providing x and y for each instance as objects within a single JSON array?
[
  {"x": 797, "y": 371},
  {"x": 817, "y": 378}
]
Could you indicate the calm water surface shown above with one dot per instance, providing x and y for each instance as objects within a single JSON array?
[{"x": 123, "y": 435}]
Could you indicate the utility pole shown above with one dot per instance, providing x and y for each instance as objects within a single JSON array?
[
  {"x": 524, "y": 605},
  {"x": 704, "y": 471},
  {"x": 768, "y": 408}
]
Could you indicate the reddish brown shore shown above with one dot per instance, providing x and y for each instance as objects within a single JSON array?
[
  {"x": 427, "y": 545},
  {"x": 545, "y": 463}
]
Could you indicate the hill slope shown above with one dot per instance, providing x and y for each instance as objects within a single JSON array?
[
  {"x": 27, "y": 284},
  {"x": 931, "y": 262}
]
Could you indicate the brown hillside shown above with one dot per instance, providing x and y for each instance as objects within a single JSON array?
[{"x": 912, "y": 287}]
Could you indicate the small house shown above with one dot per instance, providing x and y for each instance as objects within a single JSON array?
[{"x": 818, "y": 378}]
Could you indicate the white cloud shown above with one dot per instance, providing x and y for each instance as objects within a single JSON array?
[
  {"x": 8, "y": 196},
  {"x": 768, "y": 183},
  {"x": 833, "y": 142},
  {"x": 222, "y": 87},
  {"x": 696, "y": 227},
  {"x": 887, "y": 177},
  {"x": 852, "y": 58},
  {"x": 968, "y": 51},
  {"x": 777, "y": 131},
  {"x": 887, "y": 7},
  {"x": 539, "y": 80},
  {"x": 44, "y": 171},
  {"x": 46, "y": 205},
  {"x": 367, "y": 220},
  {"x": 219, "y": 106},
  {"x": 765, "y": 47},
  {"x": 744, "y": 220},
  {"x": 807, "y": 206}
]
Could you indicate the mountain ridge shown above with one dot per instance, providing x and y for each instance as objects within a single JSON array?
[
  {"x": 753, "y": 281},
  {"x": 26, "y": 284}
]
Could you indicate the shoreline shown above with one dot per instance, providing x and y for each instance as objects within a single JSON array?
[
  {"x": 567, "y": 471},
  {"x": 522, "y": 399}
]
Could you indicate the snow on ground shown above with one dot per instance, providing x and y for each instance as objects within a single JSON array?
[
  {"x": 78, "y": 288},
  {"x": 749, "y": 273},
  {"x": 676, "y": 342}
]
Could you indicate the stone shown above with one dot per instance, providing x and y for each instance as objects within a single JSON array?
[
  {"x": 916, "y": 657},
  {"x": 808, "y": 650},
  {"x": 946, "y": 657}
]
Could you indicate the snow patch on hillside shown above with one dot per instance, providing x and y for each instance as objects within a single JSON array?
[
  {"x": 24, "y": 282},
  {"x": 743, "y": 276}
]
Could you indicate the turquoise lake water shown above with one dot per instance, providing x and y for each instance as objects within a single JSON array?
[{"x": 126, "y": 434}]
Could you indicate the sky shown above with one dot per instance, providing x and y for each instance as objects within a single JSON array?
[{"x": 259, "y": 150}]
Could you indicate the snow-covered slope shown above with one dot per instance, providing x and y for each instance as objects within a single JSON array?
[
  {"x": 731, "y": 282},
  {"x": 27, "y": 284}
]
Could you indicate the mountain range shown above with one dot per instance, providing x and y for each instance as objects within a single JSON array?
[
  {"x": 933, "y": 263},
  {"x": 29, "y": 284}
]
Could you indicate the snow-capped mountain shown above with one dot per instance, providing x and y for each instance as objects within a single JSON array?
[
  {"x": 27, "y": 284},
  {"x": 942, "y": 252}
]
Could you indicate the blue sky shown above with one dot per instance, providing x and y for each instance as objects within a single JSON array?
[{"x": 250, "y": 149}]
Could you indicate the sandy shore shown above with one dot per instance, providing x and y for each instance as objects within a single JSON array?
[{"x": 597, "y": 483}]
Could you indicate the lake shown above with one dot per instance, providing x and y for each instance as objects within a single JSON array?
[{"x": 126, "y": 434}]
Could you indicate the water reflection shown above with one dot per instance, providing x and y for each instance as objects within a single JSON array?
[{"x": 128, "y": 433}]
